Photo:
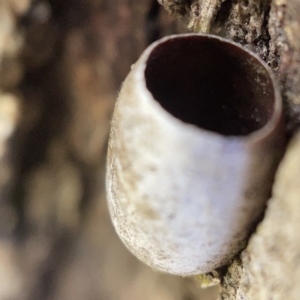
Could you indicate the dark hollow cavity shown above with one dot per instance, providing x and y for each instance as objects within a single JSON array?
[{"x": 212, "y": 84}]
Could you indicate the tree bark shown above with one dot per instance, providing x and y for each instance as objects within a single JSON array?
[{"x": 61, "y": 66}]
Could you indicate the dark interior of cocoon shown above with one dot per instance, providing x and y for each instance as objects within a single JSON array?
[{"x": 210, "y": 83}]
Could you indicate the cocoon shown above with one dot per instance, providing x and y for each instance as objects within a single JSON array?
[{"x": 196, "y": 136}]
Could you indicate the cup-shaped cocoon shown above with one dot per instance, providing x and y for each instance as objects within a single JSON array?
[{"x": 197, "y": 134}]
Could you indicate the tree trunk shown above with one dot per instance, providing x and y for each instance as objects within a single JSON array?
[{"x": 61, "y": 66}]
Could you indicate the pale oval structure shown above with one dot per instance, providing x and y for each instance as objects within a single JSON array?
[{"x": 196, "y": 137}]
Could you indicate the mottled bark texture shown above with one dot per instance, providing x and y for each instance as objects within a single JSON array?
[{"x": 269, "y": 266}]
